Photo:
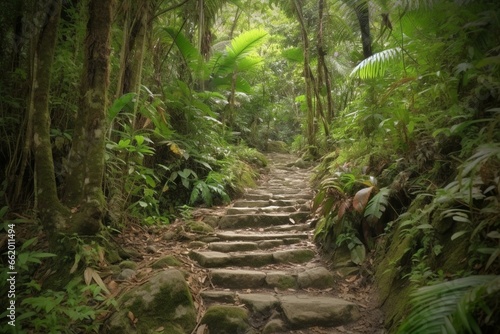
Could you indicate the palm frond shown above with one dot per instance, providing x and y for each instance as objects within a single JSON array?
[
  {"x": 446, "y": 307},
  {"x": 376, "y": 65},
  {"x": 191, "y": 55},
  {"x": 376, "y": 206}
]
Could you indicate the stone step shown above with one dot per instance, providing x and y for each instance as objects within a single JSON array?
[
  {"x": 288, "y": 238},
  {"x": 291, "y": 311},
  {"x": 243, "y": 246},
  {"x": 265, "y": 209},
  {"x": 212, "y": 259},
  {"x": 303, "y": 278},
  {"x": 270, "y": 196},
  {"x": 260, "y": 220},
  {"x": 264, "y": 203}
]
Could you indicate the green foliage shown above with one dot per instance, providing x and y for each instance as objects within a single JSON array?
[{"x": 453, "y": 306}]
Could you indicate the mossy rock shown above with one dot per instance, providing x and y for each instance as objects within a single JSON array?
[
  {"x": 166, "y": 261},
  {"x": 128, "y": 265},
  {"x": 162, "y": 302},
  {"x": 199, "y": 227},
  {"x": 223, "y": 319}
]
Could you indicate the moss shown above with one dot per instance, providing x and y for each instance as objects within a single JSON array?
[
  {"x": 226, "y": 319},
  {"x": 165, "y": 301},
  {"x": 128, "y": 265},
  {"x": 286, "y": 282},
  {"x": 166, "y": 261},
  {"x": 199, "y": 227}
]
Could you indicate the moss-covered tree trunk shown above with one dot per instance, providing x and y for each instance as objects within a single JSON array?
[
  {"x": 83, "y": 188},
  {"x": 52, "y": 214}
]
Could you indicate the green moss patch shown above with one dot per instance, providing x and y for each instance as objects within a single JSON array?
[
  {"x": 226, "y": 319},
  {"x": 166, "y": 261}
]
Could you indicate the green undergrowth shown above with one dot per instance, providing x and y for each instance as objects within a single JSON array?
[{"x": 411, "y": 173}]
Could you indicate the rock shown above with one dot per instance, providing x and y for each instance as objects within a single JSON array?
[
  {"x": 219, "y": 296},
  {"x": 266, "y": 244},
  {"x": 170, "y": 235},
  {"x": 210, "y": 259},
  {"x": 274, "y": 326},
  {"x": 166, "y": 261},
  {"x": 163, "y": 301},
  {"x": 199, "y": 227},
  {"x": 238, "y": 246},
  {"x": 222, "y": 319},
  {"x": 128, "y": 265},
  {"x": 259, "y": 302},
  {"x": 230, "y": 235},
  {"x": 317, "y": 278},
  {"x": 281, "y": 280},
  {"x": 235, "y": 278},
  {"x": 197, "y": 244},
  {"x": 151, "y": 249},
  {"x": 303, "y": 311},
  {"x": 126, "y": 274},
  {"x": 293, "y": 255}
]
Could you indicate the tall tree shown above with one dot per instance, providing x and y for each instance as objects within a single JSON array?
[
  {"x": 83, "y": 188},
  {"x": 53, "y": 215},
  {"x": 82, "y": 206}
]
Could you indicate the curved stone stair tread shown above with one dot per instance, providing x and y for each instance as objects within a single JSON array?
[
  {"x": 297, "y": 278},
  {"x": 261, "y": 219},
  {"x": 263, "y": 203},
  {"x": 259, "y": 236},
  {"x": 212, "y": 259}
]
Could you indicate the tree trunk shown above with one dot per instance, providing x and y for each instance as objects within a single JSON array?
[
  {"x": 311, "y": 126},
  {"x": 83, "y": 188},
  {"x": 50, "y": 211},
  {"x": 364, "y": 24}
]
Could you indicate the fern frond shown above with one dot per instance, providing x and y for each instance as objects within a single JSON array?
[
  {"x": 240, "y": 48},
  {"x": 377, "y": 205},
  {"x": 376, "y": 65},
  {"x": 446, "y": 307},
  {"x": 191, "y": 55}
]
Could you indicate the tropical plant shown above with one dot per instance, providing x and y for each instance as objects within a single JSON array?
[{"x": 463, "y": 305}]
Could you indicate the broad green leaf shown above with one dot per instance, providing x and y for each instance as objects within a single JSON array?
[
  {"x": 119, "y": 104},
  {"x": 376, "y": 65},
  {"x": 358, "y": 254}
]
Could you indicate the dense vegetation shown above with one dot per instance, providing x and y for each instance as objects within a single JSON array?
[{"x": 121, "y": 112}]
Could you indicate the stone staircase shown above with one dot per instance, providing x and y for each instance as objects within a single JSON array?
[{"x": 265, "y": 275}]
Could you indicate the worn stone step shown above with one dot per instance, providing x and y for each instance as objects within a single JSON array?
[
  {"x": 315, "y": 278},
  {"x": 242, "y": 246},
  {"x": 265, "y": 209},
  {"x": 211, "y": 259},
  {"x": 297, "y": 311},
  {"x": 260, "y": 219},
  {"x": 264, "y": 203},
  {"x": 256, "y": 236},
  {"x": 262, "y": 196},
  {"x": 289, "y": 227}
]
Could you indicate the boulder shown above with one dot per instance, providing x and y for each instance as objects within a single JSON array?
[
  {"x": 162, "y": 302},
  {"x": 222, "y": 319}
]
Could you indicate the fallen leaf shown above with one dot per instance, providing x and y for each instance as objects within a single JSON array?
[{"x": 160, "y": 329}]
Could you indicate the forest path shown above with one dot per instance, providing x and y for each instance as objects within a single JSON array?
[{"x": 261, "y": 259}]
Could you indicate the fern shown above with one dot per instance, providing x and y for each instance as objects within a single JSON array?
[
  {"x": 377, "y": 205},
  {"x": 447, "y": 307},
  {"x": 376, "y": 65}
]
